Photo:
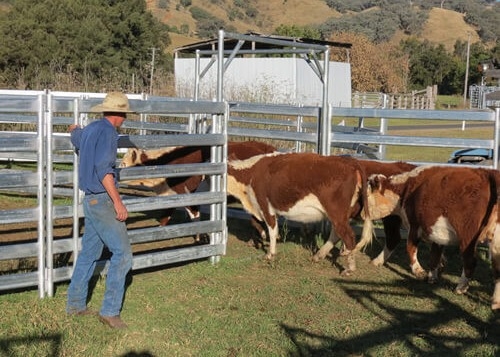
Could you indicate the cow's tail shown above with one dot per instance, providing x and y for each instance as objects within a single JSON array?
[
  {"x": 492, "y": 215},
  {"x": 368, "y": 229},
  {"x": 485, "y": 232}
]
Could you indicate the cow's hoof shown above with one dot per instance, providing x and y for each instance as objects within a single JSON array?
[
  {"x": 495, "y": 305},
  {"x": 377, "y": 262},
  {"x": 344, "y": 252},
  {"x": 432, "y": 280},
  {"x": 432, "y": 277},
  {"x": 317, "y": 257},
  {"x": 462, "y": 289},
  {"x": 419, "y": 273},
  {"x": 269, "y": 256},
  {"x": 346, "y": 272}
]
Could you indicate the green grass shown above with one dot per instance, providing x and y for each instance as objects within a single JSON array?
[
  {"x": 449, "y": 101},
  {"x": 245, "y": 306}
]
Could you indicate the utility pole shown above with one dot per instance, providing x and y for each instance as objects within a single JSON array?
[
  {"x": 467, "y": 68},
  {"x": 152, "y": 71}
]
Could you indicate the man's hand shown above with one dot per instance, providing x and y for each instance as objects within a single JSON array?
[
  {"x": 109, "y": 184},
  {"x": 121, "y": 211},
  {"x": 72, "y": 127}
]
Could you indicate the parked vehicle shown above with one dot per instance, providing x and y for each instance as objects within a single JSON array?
[{"x": 472, "y": 156}]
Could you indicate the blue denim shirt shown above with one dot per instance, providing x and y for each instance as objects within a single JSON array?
[{"x": 97, "y": 145}]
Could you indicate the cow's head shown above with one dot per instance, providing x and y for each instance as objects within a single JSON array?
[
  {"x": 382, "y": 201},
  {"x": 133, "y": 157}
]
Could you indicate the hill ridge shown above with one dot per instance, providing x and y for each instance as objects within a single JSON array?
[{"x": 442, "y": 27}]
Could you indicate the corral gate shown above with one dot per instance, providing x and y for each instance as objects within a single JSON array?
[{"x": 46, "y": 113}]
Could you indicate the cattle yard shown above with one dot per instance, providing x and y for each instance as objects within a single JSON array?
[
  {"x": 45, "y": 232},
  {"x": 288, "y": 128}
]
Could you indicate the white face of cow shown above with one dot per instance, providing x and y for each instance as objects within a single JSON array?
[
  {"x": 131, "y": 158},
  {"x": 134, "y": 156},
  {"x": 381, "y": 201}
]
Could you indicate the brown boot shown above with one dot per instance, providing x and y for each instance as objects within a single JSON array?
[
  {"x": 113, "y": 321},
  {"x": 84, "y": 312}
]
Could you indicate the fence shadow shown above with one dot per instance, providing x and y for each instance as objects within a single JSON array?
[
  {"x": 420, "y": 332},
  {"x": 43, "y": 345}
]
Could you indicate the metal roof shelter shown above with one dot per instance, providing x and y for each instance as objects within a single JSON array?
[{"x": 230, "y": 45}]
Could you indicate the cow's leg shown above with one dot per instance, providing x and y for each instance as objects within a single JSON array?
[
  {"x": 260, "y": 228},
  {"x": 469, "y": 260},
  {"x": 495, "y": 264},
  {"x": 435, "y": 263},
  {"x": 194, "y": 215},
  {"x": 463, "y": 284},
  {"x": 327, "y": 247},
  {"x": 412, "y": 250},
  {"x": 392, "y": 230},
  {"x": 167, "y": 216},
  {"x": 272, "y": 227},
  {"x": 344, "y": 230}
]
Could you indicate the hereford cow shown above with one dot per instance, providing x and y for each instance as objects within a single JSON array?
[
  {"x": 392, "y": 223},
  {"x": 446, "y": 206},
  {"x": 185, "y": 155},
  {"x": 302, "y": 187},
  {"x": 134, "y": 157}
]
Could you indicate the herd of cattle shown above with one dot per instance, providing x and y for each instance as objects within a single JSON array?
[{"x": 443, "y": 205}]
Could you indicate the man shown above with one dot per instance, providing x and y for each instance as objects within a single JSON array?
[{"x": 105, "y": 213}]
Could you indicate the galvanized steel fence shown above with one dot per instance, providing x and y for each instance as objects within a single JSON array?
[
  {"x": 161, "y": 120},
  {"x": 46, "y": 112}
]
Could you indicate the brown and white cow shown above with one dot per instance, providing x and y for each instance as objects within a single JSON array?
[
  {"x": 446, "y": 206},
  {"x": 186, "y": 155},
  {"x": 391, "y": 223},
  {"x": 302, "y": 187},
  {"x": 135, "y": 157}
]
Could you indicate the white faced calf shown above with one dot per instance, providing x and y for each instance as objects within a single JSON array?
[{"x": 446, "y": 206}]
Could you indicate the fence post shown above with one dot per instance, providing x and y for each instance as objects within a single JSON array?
[
  {"x": 41, "y": 197},
  {"x": 496, "y": 140},
  {"x": 49, "y": 195}
]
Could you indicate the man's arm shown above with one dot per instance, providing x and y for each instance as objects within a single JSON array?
[
  {"x": 76, "y": 134},
  {"x": 109, "y": 184}
]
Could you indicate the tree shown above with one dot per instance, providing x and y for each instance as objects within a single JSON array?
[
  {"x": 375, "y": 67},
  {"x": 379, "y": 24},
  {"x": 298, "y": 31},
  {"x": 429, "y": 64},
  {"x": 93, "y": 41}
]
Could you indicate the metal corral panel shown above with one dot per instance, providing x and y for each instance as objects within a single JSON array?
[
  {"x": 144, "y": 235},
  {"x": 16, "y": 281},
  {"x": 271, "y": 80},
  {"x": 177, "y": 255},
  {"x": 19, "y": 215},
  {"x": 16, "y": 251}
]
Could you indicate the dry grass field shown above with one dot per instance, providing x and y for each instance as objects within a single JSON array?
[{"x": 443, "y": 26}]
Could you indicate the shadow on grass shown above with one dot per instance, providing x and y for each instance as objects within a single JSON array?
[
  {"x": 430, "y": 333},
  {"x": 46, "y": 345}
]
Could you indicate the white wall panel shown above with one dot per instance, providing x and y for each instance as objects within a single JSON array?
[{"x": 268, "y": 80}]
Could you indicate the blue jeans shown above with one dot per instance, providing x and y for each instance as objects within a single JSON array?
[{"x": 101, "y": 228}]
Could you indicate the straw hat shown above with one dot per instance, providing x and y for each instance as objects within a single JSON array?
[{"x": 114, "y": 102}]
